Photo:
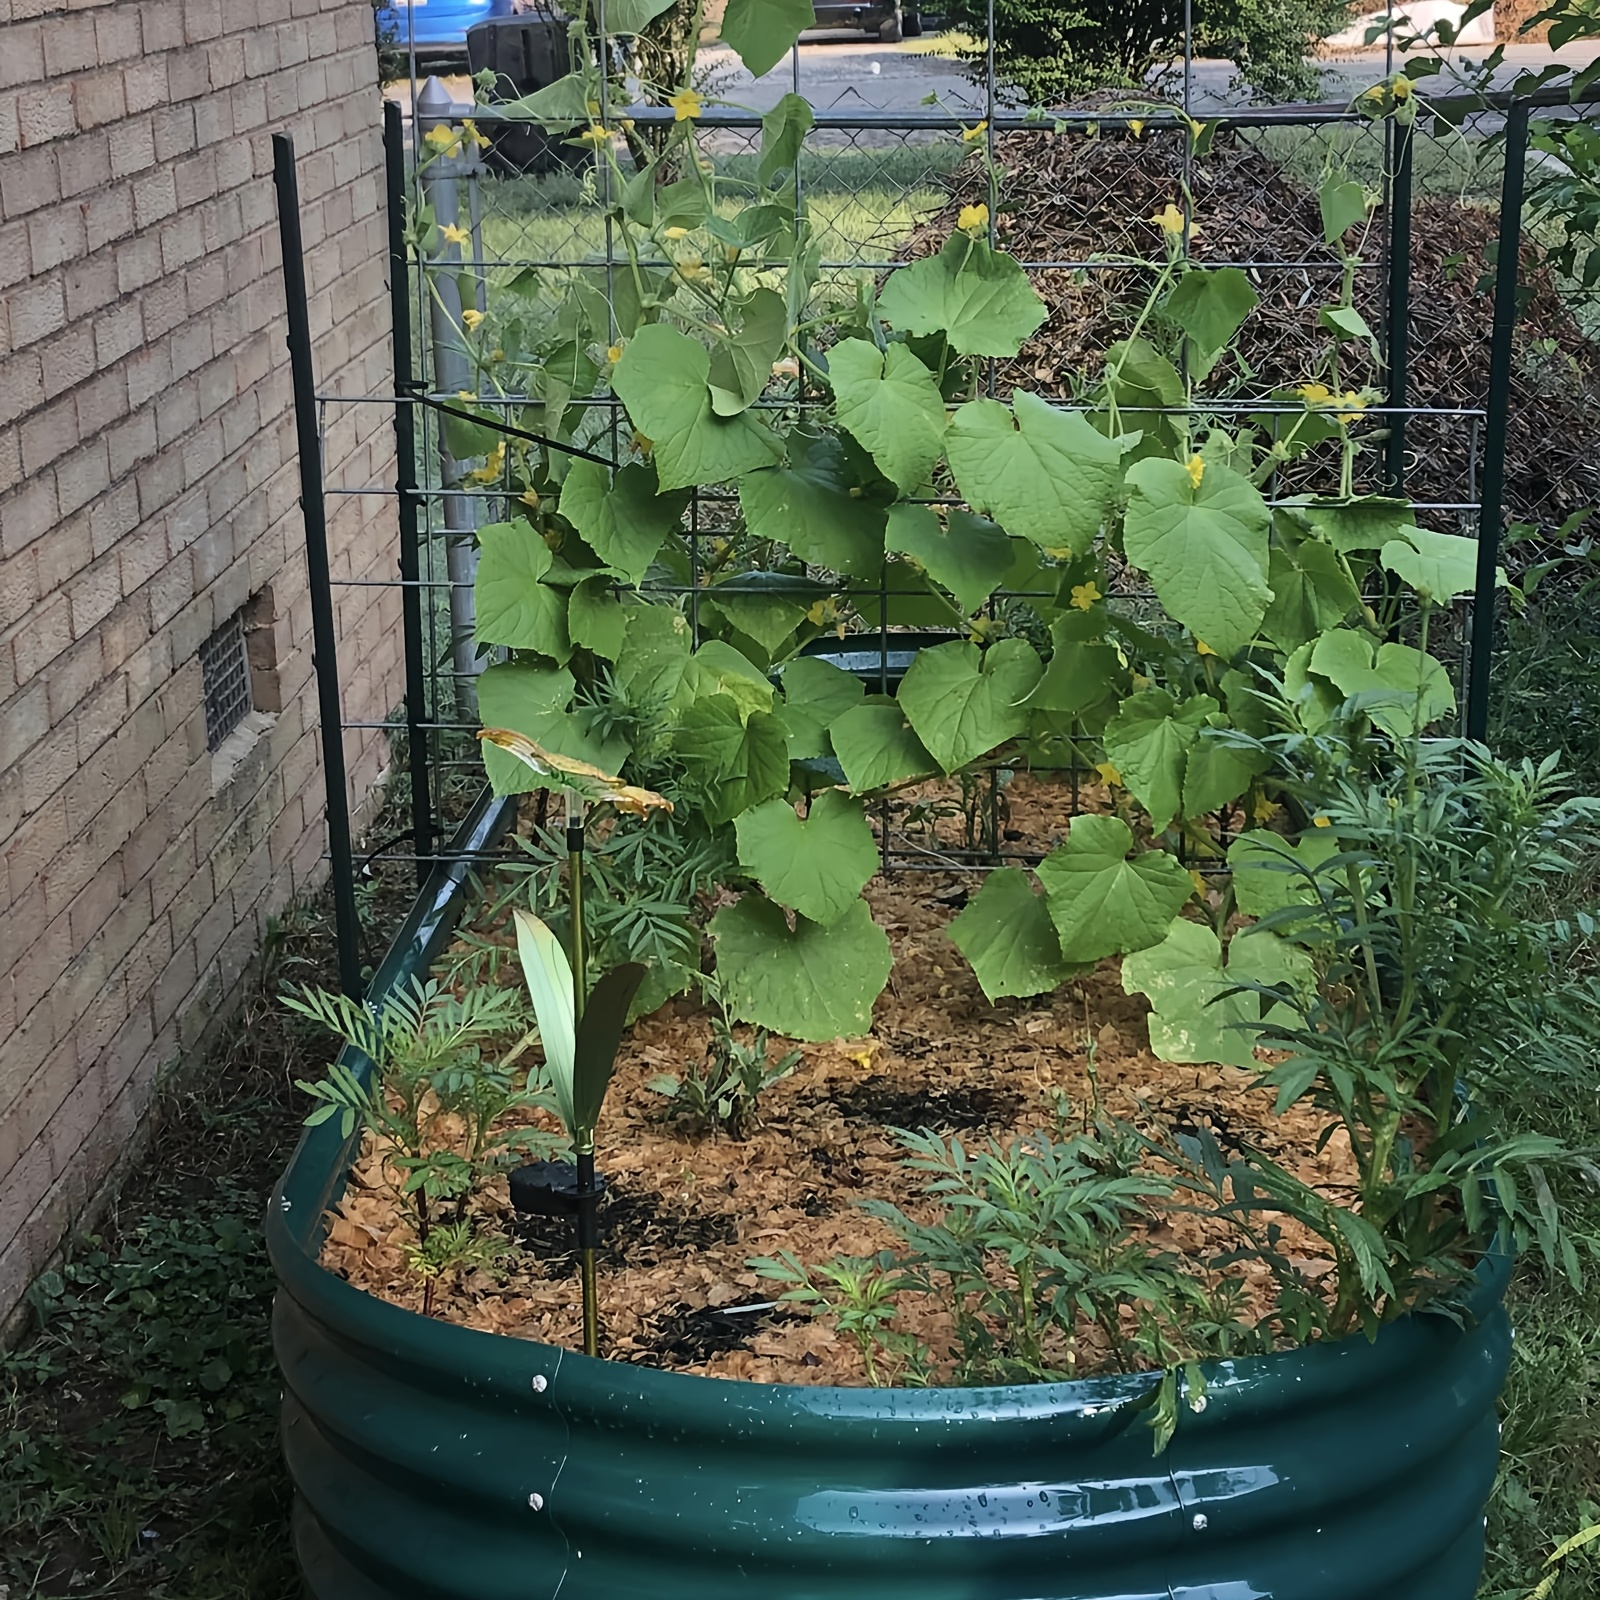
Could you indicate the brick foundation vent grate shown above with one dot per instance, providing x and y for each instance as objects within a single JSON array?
[{"x": 225, "y": 677}]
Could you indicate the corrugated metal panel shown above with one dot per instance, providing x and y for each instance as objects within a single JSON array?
[{"x": 437, "y": 1463}]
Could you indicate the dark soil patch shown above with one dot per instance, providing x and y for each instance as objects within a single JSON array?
[
  {"x": 684, "y": 1334},
  {"x": 638, "y": 1228},
  {"x": 960, "y": 1108}
]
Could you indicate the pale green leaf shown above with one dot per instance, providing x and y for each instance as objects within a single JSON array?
[
  {"x": 1402, "y": 690},
  {"x": 1366, "y": 523},
  {"x": 1205, "y": 548},
  {"x": 816, "y": 694},
  {"x": 805, "y": 982},
  {"x": 762, "y": 32},
  {"x": 718, "y": 668},
  {"x": 548, "y": 974},
  {"x": 783, "y": 136},
  {"x": 1083, "y": 669},
  {"x": 620, "y": 516},
  {"x": 741, "y": 360},
  {"x": 513, "y": 605},
  {"x": 816, "y": 865},
  {"x": 1218, "y": 771},
  {"x": 663, "y": 380},
  {"x": 1343, "y": 204},
  {"x": 1103, "y": 904},
  {"x": 595, "y": 618},
  {"x": 767, "y": 616},
  {"x": 630, "y": 16},
  {"x": 530, "y": 700},
  {"x": 889, "y": 402},
  {"x": 1194, "y": 1017},
  {"x": 1148, "y": 742},
  {"x": 731, "y": 762},
  {"x": 876, "y": 747},
  {"x": 1005, "y": 932},
  {"x": 979, "y": 298},
  {"x": 555, "y": 107},
  {"x": 1271, "y": 873},
  {"x": 1312, "y": 591},
  {"x": 655, "y": 654},
  {"x": 1039, "y": 472},
  {"x": 970, "y": 557},
  {"x": 962, "y": 701},
  {"x": 1210, "y": 304},
  {"x": 1439, "y": 566},
  {"x": 807, "y": 505}
]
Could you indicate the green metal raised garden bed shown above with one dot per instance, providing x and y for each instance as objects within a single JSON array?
[{"x": 434, "y": 1462}]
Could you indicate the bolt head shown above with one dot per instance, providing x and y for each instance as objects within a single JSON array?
[
  {"x": 1201, "y": 1522},
  {"x": 540, "y": 1383},
  {"x": 536, "y": 1502}
]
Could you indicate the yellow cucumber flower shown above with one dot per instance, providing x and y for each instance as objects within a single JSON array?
[
  {"x": 1195, "y": 466},
  {"x": 472, "y": 317},
  {"x": 975, "y": 132},
  {"x": 686, "y": 105},
  {"x": 973, "y": 219},
  {"x": 1084, "y": 595},
  {"x": 470, "y": 128},
  {"x": 455, "y": 234},
  {"x": 443, "y": 138},
  {"x": 1170, "y": 220}
]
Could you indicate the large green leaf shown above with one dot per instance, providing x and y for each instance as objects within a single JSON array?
[
  {"x": 807, "y": 982},
  {"x": 1367, "y": 523},
  {"x": 1193, "y": 1016},
  {"x": 1148, "y": 741},
  {"x": 1439, "y": 566},
  {"x": 877, "y": 747},
  {"x": 741, "y": 360},
  {"x": 1344, "y": 204},
  {"x": 1312, "y": 590},
  {"x": 1007, "y": 935},
  {"x": 763, "y": 32},
  {"x": 1040, "y": 472},
  {"x": 655, "y": 654},
  {"x": 1401, "y": 689},
  {"x": 963, "y": 701},
  {"x": 783, "y": 136},
  {"x": 979, "y": 299},
  {"x": 768, "y": 616},
  {"x": 732, "y": 762},
  {"x": 1218, "y": 770},
  {"x": 1204, "y": 546},
  {"x": 1209, "y": 304},
  {"x": 816, "y": 865},
  {"x": 555, "y": 107},
  {"x": 595, "y": 618},
  {"x": 969, "y": 558},
  {"x": 816, "y": 694},
  {"x": 718, "y": 668},
  {"x": 513, "y": 604},
  {"x": 1271, "y": 872},
  {"x": 1103, "y": 904},
  {"x": 630, "y": 16},
  {"x": 530, "y": 700},
  {"x": 889, "y": 401},
  {"x": 663, "y": 379},
  {"x": 807, "y": 505},
  {"x": 620, "y": 516},
  {"x": 1145, "y": 387},
  {"x": 1083, "y": 669}
]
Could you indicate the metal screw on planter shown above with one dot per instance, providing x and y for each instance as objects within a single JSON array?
[
  {"x": 536, "y": 1501},
  {"x": 540, "y": 1383},
  {"x": 1201, "y": 1522}
]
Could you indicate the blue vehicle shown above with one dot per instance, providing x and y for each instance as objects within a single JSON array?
[{"x": 434, "y": 28}]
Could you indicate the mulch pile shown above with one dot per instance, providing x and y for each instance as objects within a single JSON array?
[
  {"x": 1072, "y": 198},
  {"x": 686, "y": 1210}
]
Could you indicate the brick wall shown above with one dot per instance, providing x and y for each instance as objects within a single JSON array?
[{"x": 147, "y": 491}]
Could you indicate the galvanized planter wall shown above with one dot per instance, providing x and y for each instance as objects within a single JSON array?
[{"x": 436, "y": 1463}]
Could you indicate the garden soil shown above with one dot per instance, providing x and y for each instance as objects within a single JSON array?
[{"x": 687, "y": 1209}]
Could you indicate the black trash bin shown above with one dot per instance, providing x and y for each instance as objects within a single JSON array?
[{"x": 526, "y": 51}]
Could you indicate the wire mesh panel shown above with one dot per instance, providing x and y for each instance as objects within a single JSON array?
[{"x": 1094, "y": 206}]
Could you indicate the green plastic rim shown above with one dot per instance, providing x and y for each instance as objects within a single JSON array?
[{"x": 435, "y": 1462}]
